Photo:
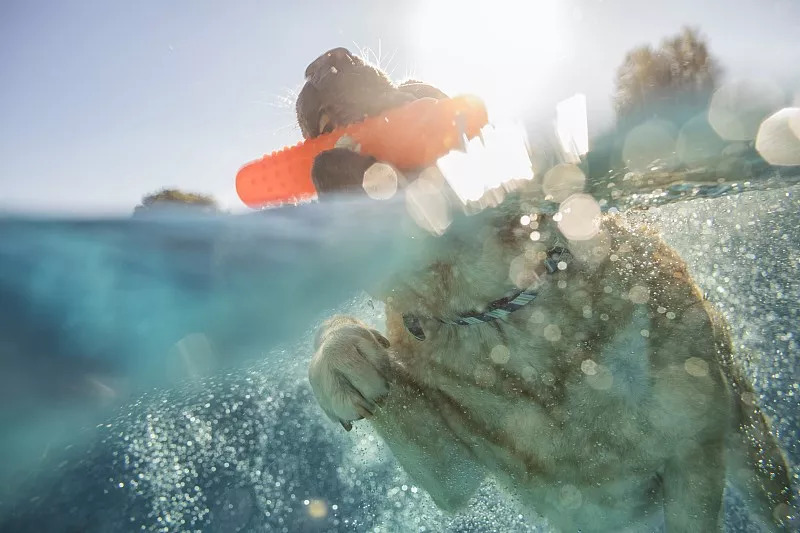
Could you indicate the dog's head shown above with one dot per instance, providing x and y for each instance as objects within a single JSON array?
[{"x": 341, "y": 88}]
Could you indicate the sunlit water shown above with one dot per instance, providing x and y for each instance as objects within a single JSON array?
[{"x": 112, "y": 423}]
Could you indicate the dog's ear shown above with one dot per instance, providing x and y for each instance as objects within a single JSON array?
[
  {"x": 421, "y": 90},
  {"x": 340, "y": 171}
]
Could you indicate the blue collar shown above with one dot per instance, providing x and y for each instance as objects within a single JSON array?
[{"x": 557, "y": 259}]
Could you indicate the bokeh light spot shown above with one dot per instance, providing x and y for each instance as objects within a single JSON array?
[
  {"x": 738, "y": 107},
  {"x": 696, "y": 367},
  {"x": 500, "y": 354},
  {"x": 562, "y": 181},
  {"x": 426, "y": 203},
  {"x": 380, "y": 181},
  {"x": 317, "y": 509},
  {"x": 647, "y": 143},
  {"x": 580, "y": 217},
  {"x": 778, "y": 138}
]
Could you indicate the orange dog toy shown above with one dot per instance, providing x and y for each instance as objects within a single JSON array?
[{"x": 412, "y": 136}]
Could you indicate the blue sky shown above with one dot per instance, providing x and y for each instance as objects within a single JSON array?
[{"x": 102, "y": 102}]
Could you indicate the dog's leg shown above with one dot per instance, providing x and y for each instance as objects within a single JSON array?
[
  {"x": 692, "y": 383},
  {"x": 416, "y": 431},
  {"x": 693, "y": 483},
  {"x": 692, "y": 398},
  {"x": 748, "y": 451},
  {"x": 354, "y": 375},
  {"x": 698, "y": 340},
  {"x": 757, "y": 467},
  {"x": 755, "y": 463}
]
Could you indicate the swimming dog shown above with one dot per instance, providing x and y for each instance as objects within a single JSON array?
[{"x": 585, "y": 372}]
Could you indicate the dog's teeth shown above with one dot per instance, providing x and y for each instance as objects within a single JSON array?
[
  {"x": 462, "y": 132},
  {"x": 496, "y": 157},
  {"x": 345, "y": 141},
  {"x": 324, "y": 121}
]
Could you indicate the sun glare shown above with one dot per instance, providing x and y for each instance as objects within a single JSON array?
[{"x": 500, "y": 50}]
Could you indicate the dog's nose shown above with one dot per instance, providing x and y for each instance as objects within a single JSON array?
[{"x": 333, "y": 60}]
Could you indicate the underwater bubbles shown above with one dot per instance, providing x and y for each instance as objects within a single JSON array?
[
  {"x": 484, "y": 376},
  {"x": 235, "y": 509},
  {"x": 592, "y": 251},
  {"x": 778, "y": 138},
  {"x": 639, "y": 294},
  {"x": 738, "y": 107},
  {"x": 580, "y": 217}
]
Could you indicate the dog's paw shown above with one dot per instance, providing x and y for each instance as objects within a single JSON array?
[
  {"x": 349, "y": 372},
  {"x": 340, "y": 170}
]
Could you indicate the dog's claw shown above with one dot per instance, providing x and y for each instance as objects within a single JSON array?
[
  {"x": 363, "y": 410},
  {"x": 349, "y": 371}
]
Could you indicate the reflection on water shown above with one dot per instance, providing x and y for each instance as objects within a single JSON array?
[{"x": 247, "y": 449}]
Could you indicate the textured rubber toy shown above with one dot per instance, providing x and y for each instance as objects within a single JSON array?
[{"x": 412, "y": 136}]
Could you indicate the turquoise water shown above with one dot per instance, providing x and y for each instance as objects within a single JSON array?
[{"x": 153, "y": 373}]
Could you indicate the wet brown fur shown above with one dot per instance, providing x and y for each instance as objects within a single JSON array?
[{"x": 619, "y": 399}]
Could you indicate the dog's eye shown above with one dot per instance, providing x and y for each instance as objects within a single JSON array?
[{"x": 325, "y": 125}]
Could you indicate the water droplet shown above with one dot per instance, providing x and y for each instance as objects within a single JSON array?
[
  {"x": 552, "y": 332},
  {"x": 500, "y": 354},
  {"x": 639, "y": 294},
  {"x": 484, "y": 375},
  {"x": 380, "y": 181},
  {"x": 696, "y": 367}
]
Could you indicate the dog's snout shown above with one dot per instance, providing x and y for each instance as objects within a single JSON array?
[{"x": 333, "y": 60}]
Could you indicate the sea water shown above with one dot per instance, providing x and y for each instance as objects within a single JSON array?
[{"x": 153, "y": 372}]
